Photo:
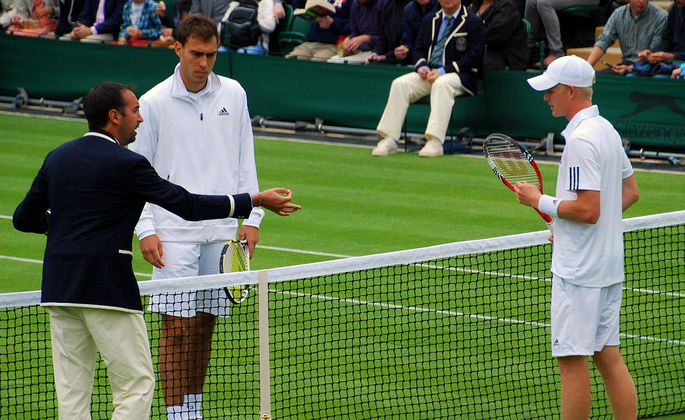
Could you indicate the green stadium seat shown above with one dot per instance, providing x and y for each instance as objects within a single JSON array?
[
  {"x": 285, "y": 25},
  {"x": 288, "y": 40}
]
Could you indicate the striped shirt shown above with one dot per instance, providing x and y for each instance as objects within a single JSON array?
[{"x": 634, "y": 33}]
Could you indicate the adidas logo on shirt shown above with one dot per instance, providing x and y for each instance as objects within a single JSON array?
[{"x": 223, "y": 112}]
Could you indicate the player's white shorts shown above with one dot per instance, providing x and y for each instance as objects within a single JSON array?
[
  {"x": 187, "y": 259},
  {"x": 584, "y": 319}
]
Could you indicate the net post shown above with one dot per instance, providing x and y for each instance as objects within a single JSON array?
[{"x": 264, "y": 368}]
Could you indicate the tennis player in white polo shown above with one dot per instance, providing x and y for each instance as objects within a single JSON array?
[{"x": 594, "y": 186}]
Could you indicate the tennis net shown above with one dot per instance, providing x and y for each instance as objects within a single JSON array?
[{"x": 458, "y": 330}]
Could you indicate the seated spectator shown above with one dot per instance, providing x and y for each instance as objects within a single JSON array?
[
  {"x": 5, "y": 6},
  {"x": 414, "y": 13},
  {"x": 279, "y": 11},
  {"x": 266, "y": 19},
  {"x": 364, "y": 30},
  {"x": 390, "y": 35},
  {"x": 448, "y": 54},
  {"x": 324, "y": 32},
  {"x": 95, "y": 26},
  {"x": 505, "y": 34},
  {"x": 33, "y": 18},
  {"x": 672, "y": 45},
  {"x": 141, "y": 23},
  {"x": 638, "y": 26},
  {"x": 544, "y": 12},
  {"x": 679, "y": 73},
  {"x": 69, "y": 11},
  {"x": 170, "y": 20},
  {"x": 214, "y": 9}
]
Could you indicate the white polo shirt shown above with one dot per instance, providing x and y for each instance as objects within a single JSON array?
[{"x": 585, "y": 254}]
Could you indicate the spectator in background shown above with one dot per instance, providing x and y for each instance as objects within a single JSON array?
[
  {"x": 141, "y": 23},
  {"x": 5, "y": 6},
  {"x": 505, "y": 35},
  {"x": 33, "y": 17},
  {"x": 69, "y": 11},
  {"x": 544, "y": 12},
  {"x": 365, "y": 26},
  {"x": 679, "y": 73},
  {"x": 214, "y": 9},
  {"x": 99, "y": 21},
  {"x": 672, "y": 45},
  {"x": 638, "y": 26},
  {"x": 279, "y": 10},
  {"x": 448, "y": 54},
  {"x": 266, "y": 18},
  {"x": 324, "y": 32},
  {"x": 171, "y": 21},
  {"x": 414, "y": 13},
  {"x": 390, "y": 21}
]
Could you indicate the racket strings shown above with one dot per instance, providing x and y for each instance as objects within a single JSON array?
[{"x": 511, "y": 163}]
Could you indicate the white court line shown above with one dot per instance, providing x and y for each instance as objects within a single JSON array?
[
  {"x": 28, "y": 260},
  {"x": 455, "y": 313}
]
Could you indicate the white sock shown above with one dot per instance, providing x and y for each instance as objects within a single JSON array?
[
  {"x": 392, "y": 140},
  {"x": 193, "y": 403},
  {"x": 175, "y": 412}
]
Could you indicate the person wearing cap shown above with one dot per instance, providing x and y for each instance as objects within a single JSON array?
[
  {"x": 447, "y": 58},
  {"x": 595, "y": 185}
]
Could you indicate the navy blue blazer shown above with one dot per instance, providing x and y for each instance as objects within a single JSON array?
[
  {"x": 464, "y": 50},
  {"x": 114, "y": 11},
  {"x": 87, "y": 197}
]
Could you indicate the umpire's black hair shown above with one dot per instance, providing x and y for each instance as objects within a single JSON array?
[{"x": 100, "y": 99}]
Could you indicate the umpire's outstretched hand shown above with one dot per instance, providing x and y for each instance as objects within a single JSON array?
[{"x": 277, "y": 200}]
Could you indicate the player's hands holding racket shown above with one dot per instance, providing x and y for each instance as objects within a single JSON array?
[
  {"x": 527, "y": 194},
  {"x": 277, "y": 200}
]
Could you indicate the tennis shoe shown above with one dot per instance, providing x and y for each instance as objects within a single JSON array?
[
  {"x": 432, "y": 148},
  {"x": 385, "y": 147}
]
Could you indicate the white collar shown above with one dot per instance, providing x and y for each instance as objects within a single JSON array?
[
  {"x": 179, "y": 90},
  {"x": 104, "y": 136},
  {"x": 589, "y": 112}
]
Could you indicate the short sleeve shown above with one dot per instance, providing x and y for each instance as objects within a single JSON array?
[
  {"x": 583, "y": 166},
  {"x": 626, "y": 167}
]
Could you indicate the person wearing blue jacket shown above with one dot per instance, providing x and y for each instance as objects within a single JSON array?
[
  {"x": 447, "y": 59},
  {"x": 87, "y": 198},
  {"x": 99, "y": 21}
]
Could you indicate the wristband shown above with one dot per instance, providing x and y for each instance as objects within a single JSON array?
[
  {"x": 260, "y": 200},
  {"x": 549, "y": 205}
]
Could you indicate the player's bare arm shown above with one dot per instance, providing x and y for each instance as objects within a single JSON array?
[{"x": 630, "y": 192}]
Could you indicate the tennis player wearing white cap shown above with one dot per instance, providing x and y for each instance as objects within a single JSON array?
[{"x": 594, "y": 186}]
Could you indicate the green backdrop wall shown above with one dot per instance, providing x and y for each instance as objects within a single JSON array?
[{"x": 648, "y": 112}]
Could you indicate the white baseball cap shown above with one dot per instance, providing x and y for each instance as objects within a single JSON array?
[{"x": 569, "y": 70}]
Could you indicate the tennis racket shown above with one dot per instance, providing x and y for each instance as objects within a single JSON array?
[
  {"x": 512, "y": 163},
  {"x": 235, "y": 256}
]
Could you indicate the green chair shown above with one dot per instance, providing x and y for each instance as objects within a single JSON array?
[
  {"x": 288, "y": 40},
  {"x": 286, "y": 24}
]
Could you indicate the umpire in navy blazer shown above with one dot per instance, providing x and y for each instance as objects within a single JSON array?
[
  {"x": 447, "y": 58},
  {"x": 87, "y": 197},
  {"x": 463, "y": 51}
]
